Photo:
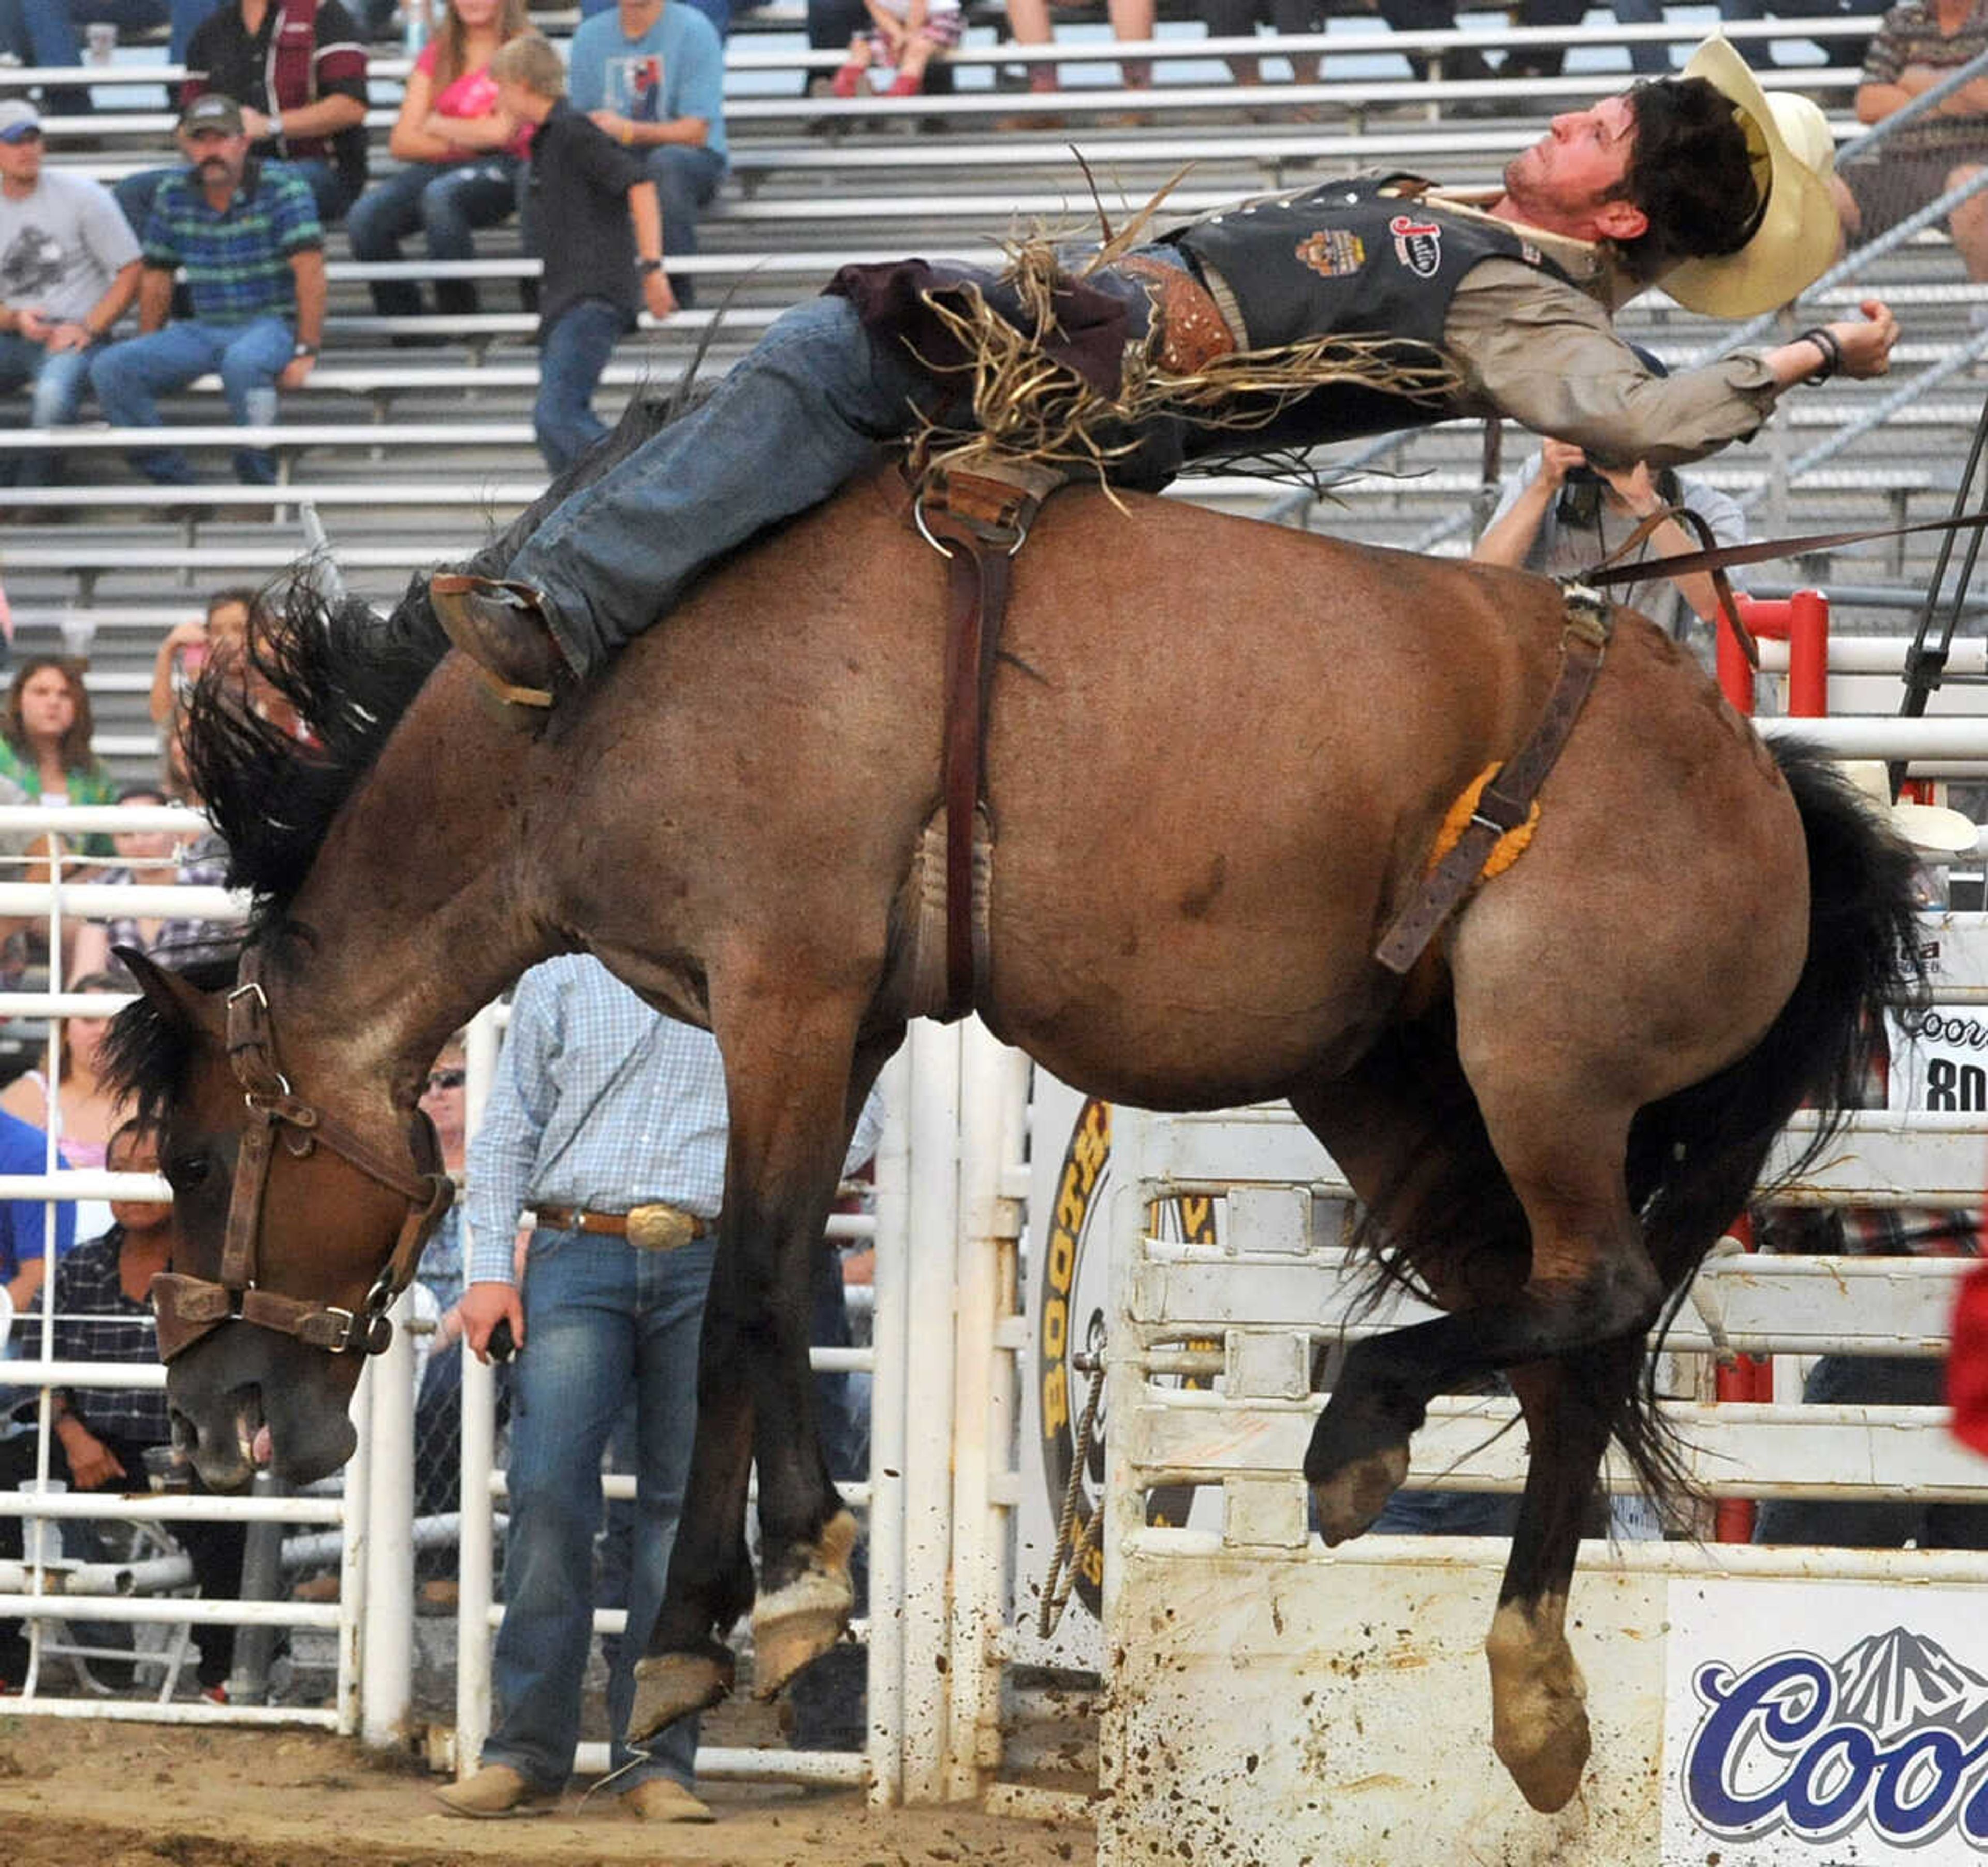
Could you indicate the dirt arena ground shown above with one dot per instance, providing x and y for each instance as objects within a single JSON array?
[{"x": 100, "y": 1794}]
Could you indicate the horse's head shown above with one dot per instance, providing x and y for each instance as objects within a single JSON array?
[{"x": 300, "y": 1211}]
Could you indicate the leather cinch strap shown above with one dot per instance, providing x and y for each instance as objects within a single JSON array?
[
  {"x": 979, "y": 521},
  {"x": 1508, "y": 799}
]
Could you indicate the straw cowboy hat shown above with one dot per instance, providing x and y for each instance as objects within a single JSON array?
[
  {"x": 1930, "y": 829},
  {"x": 1799, "y": 232}
]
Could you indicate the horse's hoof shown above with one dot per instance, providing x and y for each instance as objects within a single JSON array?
[
  {"x": 671, "y": 1686},
  {"x": 1547, "y": 1751},
  {"x": 1539, "y": 1704},
  {"x": 1348, "y": 1501},
  {"x": 802, "y": 1620}
]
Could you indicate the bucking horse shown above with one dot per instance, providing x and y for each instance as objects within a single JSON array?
[{"x": 1218, "y": 761}]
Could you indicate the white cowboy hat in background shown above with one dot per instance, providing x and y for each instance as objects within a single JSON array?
[
  {"x": 1800, "y": 232},
  {"x": 1932, "y": 829}
]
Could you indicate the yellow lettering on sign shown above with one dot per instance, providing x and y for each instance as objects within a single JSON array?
[
  {"x": 1091, "y": 1145},
  {"x": 1056, "y": 1326},
  {"x": 1056, "y": 1400}
]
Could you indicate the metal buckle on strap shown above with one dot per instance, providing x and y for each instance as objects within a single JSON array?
[{"x": 661, "y": 1228}]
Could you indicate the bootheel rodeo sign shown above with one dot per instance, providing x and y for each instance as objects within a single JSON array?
[{"x": 1825, "y": 1725}]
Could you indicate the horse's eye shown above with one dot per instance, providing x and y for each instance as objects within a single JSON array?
[{"x": 184, "y": 1171}]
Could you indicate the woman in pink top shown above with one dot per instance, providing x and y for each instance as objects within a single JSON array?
[{"x": 460, "y": 157}]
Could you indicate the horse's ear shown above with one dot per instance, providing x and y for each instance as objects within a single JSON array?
[{"x": 181, "y": 1003}]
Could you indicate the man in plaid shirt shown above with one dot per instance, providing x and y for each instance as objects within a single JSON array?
[
  {"x": 103, "y": 1313},
  {"x": 253, "y": 251}
]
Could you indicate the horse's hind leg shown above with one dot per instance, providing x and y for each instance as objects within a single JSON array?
[
  {"x": 1538, "y": 1712},
  {"x": 1589, "y": 1280}
]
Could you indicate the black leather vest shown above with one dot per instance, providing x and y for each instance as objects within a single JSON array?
[{"x": 1345, "y": 259}]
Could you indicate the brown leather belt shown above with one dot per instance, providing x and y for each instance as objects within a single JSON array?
[
  {"x": 1191, "y": 331},
  {"x": 654, "y": 1227}
]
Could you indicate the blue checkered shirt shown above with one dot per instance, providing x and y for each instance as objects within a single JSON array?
[
  {"x": 600, "y": 1102},
  {"x": 238, "y": 261},
  {"x": 96, "y": 1321}
]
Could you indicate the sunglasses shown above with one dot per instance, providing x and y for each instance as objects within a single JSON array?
[
  {"x": 446, "y": 1079},
  {"x": 22, "y": 136}
]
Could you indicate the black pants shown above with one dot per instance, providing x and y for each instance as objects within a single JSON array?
[{"x": 214, "y": 1548}]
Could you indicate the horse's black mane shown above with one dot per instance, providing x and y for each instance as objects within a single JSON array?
[{"x": 351, "y": 674}]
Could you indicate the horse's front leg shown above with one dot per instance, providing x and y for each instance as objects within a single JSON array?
[
  {"x": 789, "y": 1080},
  {"x": 807, "y": 1534},
  {"x": 688, "y": 1664}
]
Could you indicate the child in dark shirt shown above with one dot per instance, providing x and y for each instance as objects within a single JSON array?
[{"x": 594, "y": 217}]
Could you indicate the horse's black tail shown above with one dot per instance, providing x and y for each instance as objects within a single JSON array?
[{"x": 1695, "y": 1158}]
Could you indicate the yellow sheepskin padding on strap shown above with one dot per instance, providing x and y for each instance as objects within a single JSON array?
[{"x": 1508, "y": 848}]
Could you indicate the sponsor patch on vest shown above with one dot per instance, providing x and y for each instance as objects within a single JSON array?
[
  {"x": 1332, "y": 252},
  {"x": 1418, "y": 245}
]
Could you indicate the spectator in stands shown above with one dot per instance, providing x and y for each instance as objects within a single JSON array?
[
  {"x": 24, "y": 1222},
  {"x": 45, "y": 738},
  {"x": 248, "y": 237},
  {"x": 145, "y": 858},
  {"x": 1562, "y": 514},
  {"x": 593, "y": 207},
  {"x": 47, "y": 33},
  {"x": 1238, "y": 19},
  {"x": 84, "y": 1114},
  {"x": 1028, "y": 22},
  {"x": 103, "y": 1313},
  {"x": 1887, "y": 1381},
  {"x": 438, "y": 1405},
  {"x": 461, "y": 156},
  {"x": 1848, "y": 49},
  {"x": 1920, "y": 44},
  {"x": 310, "y": 58},
  {"x": 1463, "y": 63},
  {"x": 651, "y": 74},
  {"x": 68, "y": 271},
  {"x": 908, "y": 35},
  {"x": 718, "y": 11}
]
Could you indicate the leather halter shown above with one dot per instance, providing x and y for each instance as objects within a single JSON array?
[{"x": 191, "y": 1307}]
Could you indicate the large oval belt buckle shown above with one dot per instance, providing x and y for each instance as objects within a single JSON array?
[{"x": 660, "y": 1228}]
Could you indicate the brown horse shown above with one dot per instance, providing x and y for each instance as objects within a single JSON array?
[{"x": 1219, "y": 753}]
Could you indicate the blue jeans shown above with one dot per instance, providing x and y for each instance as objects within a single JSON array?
[
  {"x": 1646, "y": 61},
  {"x": 134, "y": 193},
  {"x": 1846, "y": 51},
  {"x": 47, "y": 33},
  {"x": 686, "y": 176},
  {"x": 56, "y": 381},
  {"x": 129, "y": 378},
  {"x": 447, "y": 204},
  {"x": 790, "y": 423},
  {"x": 1873, "y": 1381},
  {"x": 603, "y": 1321},
  {"x": 571, "y": 357}
]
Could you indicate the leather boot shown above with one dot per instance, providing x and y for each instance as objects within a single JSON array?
[
  {"x": 495, "y": 1792},
  {"x": 501, "y": 627}
]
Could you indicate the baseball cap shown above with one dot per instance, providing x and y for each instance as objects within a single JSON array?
[
  {"x": 210, "y": 110},
  {"x": 18, "y": 119}
]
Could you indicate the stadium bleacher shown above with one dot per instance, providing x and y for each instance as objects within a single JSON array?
[{"x": 408, "y": 456}]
